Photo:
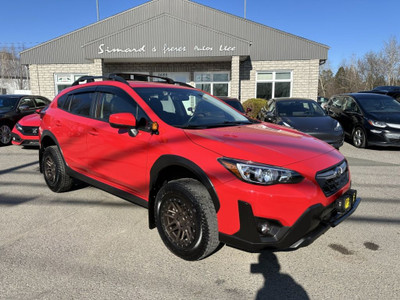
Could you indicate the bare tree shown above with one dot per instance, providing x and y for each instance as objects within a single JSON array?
[
  {"x": 326, "y": 83},
  {"x": 12, "y": 73},
  {"x": 391, "y": 61}
]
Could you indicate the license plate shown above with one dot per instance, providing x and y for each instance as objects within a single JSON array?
[{"x": 345, "y": 202}]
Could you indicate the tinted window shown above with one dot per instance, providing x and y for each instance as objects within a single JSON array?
[
  {"x": 189, "y": 108},
  {"x": 62, "y": 101},
  {"x": 8, "y": 103},
  {"x": 378, "y": 104},
  {"x": 27, "y": 102},
  {"x": 351, "y": 105},
  {"x": 337, "y": 102},
  {"x": 81, "y": 103},
  {"x": 235, "y": 104},
  {"x": 41, "y": 102},
  {"x": 299, "y": 108},
  {"x": 118, "y": 102}
]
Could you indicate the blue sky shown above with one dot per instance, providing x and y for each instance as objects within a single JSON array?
[{"x": 350, "y": 28}]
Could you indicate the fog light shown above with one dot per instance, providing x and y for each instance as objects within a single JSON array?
[{"x": 264, "y": 228}]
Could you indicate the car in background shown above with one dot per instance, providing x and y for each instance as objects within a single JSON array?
[
  {"x": 235, "y": 103},
  {"x": 392, "y": 91},
  {"x": 307, "y": 116},
  {"x": 367, "y": 118},
  {"x": 13, "y": 108},
  {"x": 322, "y": 101},
  {"x": 26, "y": 131}
]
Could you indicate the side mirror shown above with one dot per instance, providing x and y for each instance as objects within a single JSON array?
[
  {"x": 270, "y": 116},
  {"x": 122, "y": 120},
  {"x": 23, "y": 108}
]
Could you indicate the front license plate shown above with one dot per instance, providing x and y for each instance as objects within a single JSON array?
[{"x": 346, "y": 201}]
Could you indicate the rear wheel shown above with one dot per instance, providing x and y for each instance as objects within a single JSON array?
[
  {"x": 5, "y": 135},
  {"x": 186, "y": 219},
  {"x": 359, "y": 138},
  {"x": 54, "y": 171}
]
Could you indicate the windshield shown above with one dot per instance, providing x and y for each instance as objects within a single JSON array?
[
  {"x": 235, "y": 104},
  {"x": 187, "y": 108},
  {"x": 8, "y": 103},
  {"x": 299, "y": 108},
  {"x": 379, "y": 104}
]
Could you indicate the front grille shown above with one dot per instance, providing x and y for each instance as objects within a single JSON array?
[
  {"x": 30, "y": 130},
  {"x": 333, "y": 179}
]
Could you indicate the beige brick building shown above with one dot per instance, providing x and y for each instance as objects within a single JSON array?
[{"x": 222, "y": 54}]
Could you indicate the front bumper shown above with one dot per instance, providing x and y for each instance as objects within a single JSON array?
[
  {"x": 314, "y": 222},
  {"x": 383, "y": 137},
  {"x": 24, "y": 141}
]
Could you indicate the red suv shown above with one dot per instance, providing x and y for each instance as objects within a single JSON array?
[{"x": 207, "y": 174}]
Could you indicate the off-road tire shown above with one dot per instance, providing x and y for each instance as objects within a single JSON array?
[
  {"x": 54, "y": 171},
  {"x": 186, "y": 219}
]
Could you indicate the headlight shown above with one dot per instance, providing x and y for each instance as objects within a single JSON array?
[
  {"x": 19, "y": 127},
  {"x": 259, "y": 173},
  {"x": 377, "y": 123},
  {"x": 338, "y": 127}
]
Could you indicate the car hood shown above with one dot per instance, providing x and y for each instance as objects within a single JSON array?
[
  {"x": 30, "y": 120},
  {"x": 311, "y": 124},
  {"x": 388, "y": 117},
  {"x": 4, "y": 111},
  {"x": 264, "y": 143}
]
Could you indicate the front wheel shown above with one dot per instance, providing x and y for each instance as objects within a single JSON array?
[
  {"x": 359, "y": 138},
  {"x": 5, "y": 135},
  {"x": 186, "y": 219},
  {"x": 54, "y": 171}
]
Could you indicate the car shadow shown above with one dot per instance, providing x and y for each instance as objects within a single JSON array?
[{"x": 277, "y": 285}]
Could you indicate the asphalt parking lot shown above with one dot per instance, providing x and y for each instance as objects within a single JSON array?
[{"x": 87, "y": 244}]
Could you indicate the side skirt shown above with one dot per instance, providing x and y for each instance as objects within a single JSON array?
[{"x": 112, "y": 190}]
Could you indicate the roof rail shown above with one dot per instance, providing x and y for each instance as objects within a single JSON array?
[
  {"x": 123, "y": 77},
  {"x": 92, "y": 79},
  {"x": 143, "y": 77},
  {"x": 146, "y": 77}
]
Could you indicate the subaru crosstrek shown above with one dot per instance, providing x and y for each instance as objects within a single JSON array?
[{"x": 207, "y": 174}]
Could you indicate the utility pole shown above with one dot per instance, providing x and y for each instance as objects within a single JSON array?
[
  {"x": 97, "y": 8},
  {"x": 245, "y": 9}
]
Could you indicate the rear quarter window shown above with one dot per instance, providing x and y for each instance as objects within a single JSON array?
[{"x": 81, "y": 104}]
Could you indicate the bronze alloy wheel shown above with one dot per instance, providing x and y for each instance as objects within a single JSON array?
[
  {"x": 179, "y": 222},
  {"x": 50, "y": 169},
  {"x": 54, "y": 170},
  {"x": 186, "y": 219}
]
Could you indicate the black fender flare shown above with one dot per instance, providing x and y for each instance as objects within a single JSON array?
[{"x": 166, "y": 161}]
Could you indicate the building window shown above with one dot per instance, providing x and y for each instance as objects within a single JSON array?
[
  {"x": 215, "y": 83},
  {"x": 274, "y": 84},
  {"x": 63, "y": 80}
]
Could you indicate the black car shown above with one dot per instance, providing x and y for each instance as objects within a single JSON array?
[
  {"x": 235, "y": 103},
  {"x": 367, "y": 118},
  {"x": 392, "y": 91},
  {"x": 13, "y": 108},
  {"x": 305, "y": 115}
]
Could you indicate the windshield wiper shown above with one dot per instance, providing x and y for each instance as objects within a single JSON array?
[{"x": 215, "y": 125}]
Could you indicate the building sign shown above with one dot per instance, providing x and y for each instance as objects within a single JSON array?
[{"x": 165, "y": 49}]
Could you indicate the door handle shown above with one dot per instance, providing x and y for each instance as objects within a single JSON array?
[{"x": 93, "y": 132}]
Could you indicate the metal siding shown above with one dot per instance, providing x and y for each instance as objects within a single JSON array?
[{"x": 267, "y": 43}]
